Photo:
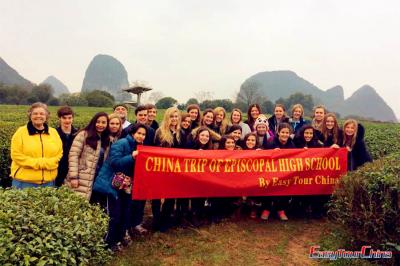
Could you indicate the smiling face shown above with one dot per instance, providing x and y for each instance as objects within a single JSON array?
[
  {"x": 236, "y": 134},
  {"x": 185, "y": 124},
  {"x": 114, "y": 125},
  {"x": 254, "y": 112},
  {"x": 174, "y": 119},
  {"x": 319, "y": 114},
  {"x": 193, "y": 113},
  {"x": 283, "y": 135},
  {"x": 330, "y": 122},
  {"x": 220, "y": 116},
  {"x": 308, "y": 134},
  {"x": 261, "y": 129},
  {"x": 122, "y": 112},
  {"x": 208, "y": 118},
  {"x": 141, "y": 117},
  {"x": 229, "y": 144},
  {"x": 350, "y": 129},
  {"x": 251, "y": 142},
  {"x": 101, "y": 124},
  {"x": 38, "y": 117},
  {"x": 151, "y": 114},
  {"x": 66, "y": 121},
  {"x": 204, "y": 137},
  {"x": 278, "y": 112},
  {"x": 139, "y": 135},
  {"x": 236, "y": 117},
  {"x": 297, "y": 113}
]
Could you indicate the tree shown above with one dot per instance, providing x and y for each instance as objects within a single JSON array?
[
  {"x": 155, "y": 96},
  {"x": 306, "y": 100},
  {"x": 192, "y": 101},
  {"x": 202, "y": 95},
  {"x": 75, "y": 99},
  {"x": 267, "y": 107},
  {"x": 13, "y": 94},
  {"x": 250, "y": 93},
  {"x": 166, "y": 102},
  {"x": 40, "y": 93},
  {"x": 98, "y": 98}
]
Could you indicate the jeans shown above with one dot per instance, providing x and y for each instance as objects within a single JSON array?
[{"x": 21, "y": 185}]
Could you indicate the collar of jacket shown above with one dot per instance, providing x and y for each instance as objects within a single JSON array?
[
  {"x": 32, "y": 130},
  {"x": 132, "y": 142}
]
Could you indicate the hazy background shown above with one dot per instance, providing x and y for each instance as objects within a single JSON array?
[{"x": 181, "y": 47}]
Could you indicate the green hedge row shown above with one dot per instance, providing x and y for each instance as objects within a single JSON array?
[
  {"x": 367, "y": 204},
  {"x": 50, "y": 226}
]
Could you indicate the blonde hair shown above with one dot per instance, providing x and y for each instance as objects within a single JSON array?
[
  {"x": 224, "y": 123},
  {"x": 320, "y": 106},
  {"x": 298, "y": 106},
  {"x": 115, "y": 116},
  {"x": 38, "y": 105},
  {"x": 347, "y": 139},
  {"x": 164, "y": 131}
]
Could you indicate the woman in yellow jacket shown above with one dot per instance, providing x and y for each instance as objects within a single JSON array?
[{"x": 36, "y": 150}]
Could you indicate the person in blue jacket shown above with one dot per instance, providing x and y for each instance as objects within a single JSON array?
[{"x": 119, "y": 204}]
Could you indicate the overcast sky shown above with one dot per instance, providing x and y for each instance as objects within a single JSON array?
[{"x": 181, "y": 47}]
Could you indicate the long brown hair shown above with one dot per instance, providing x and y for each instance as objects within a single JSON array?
[
  {"x": 92, "y": 137},
  {"x": 335, "y": 130}
]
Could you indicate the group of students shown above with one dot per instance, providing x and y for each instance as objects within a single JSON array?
[{"x": 87, "y": 160}]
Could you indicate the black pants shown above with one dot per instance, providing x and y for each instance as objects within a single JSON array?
[
  {"x": 137, "y": 212},
  {"x": 277, "y": 203},
  {"x": 119, "y": 210}
]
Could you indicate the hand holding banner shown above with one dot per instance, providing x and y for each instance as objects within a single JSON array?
[{"x": 184, "y": 173}]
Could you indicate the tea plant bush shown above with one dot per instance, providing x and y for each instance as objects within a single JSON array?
[
  {"x": 50, "y": 226},
  {"x": 367, "y": 204}
]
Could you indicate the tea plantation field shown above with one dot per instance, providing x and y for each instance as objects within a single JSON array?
[{"x": 381, "y": 138}]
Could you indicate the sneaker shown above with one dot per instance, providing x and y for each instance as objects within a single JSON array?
[
  {"x": 282, "y": 216},
  {"x": 140, "y": 229},
  {"x": 265, "y": 215},
  {"x": 253, "y": 214}
]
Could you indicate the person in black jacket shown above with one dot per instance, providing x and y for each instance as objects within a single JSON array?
[
  {"x": 297, "y": 120},
  {"x": 307, "y": 138},
  {"x": 169, "y": 135},
  {"x": 311, "y": 205},
  {"x": 353, "y": 140},
  {"x": 278, "y": 117},
  {"x": 194, "y": 111},
  {"x": 281, "y": 141},
  {"x": 67, "y": 133},
  {"x": 330, "y": 135},
  {"x": 151, "y": 116}
]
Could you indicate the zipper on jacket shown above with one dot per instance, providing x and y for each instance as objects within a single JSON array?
[
  {"x": 15, "y": 174},
  {"x": 41, "y": 141}
]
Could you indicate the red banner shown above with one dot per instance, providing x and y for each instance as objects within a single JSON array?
[{"x": 183, "y": 173}]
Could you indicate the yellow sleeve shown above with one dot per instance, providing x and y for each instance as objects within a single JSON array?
[{"x": 18, "y": 156}]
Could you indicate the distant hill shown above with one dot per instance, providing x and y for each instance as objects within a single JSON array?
[
  {"x": 365, "y": 102},
  {"x": 106, "y": 73},
  {"x": 9, "y": 76},
  {"x": 58, "y": 87}
]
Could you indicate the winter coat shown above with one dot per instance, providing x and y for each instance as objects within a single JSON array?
[
  {"x": 35, "y": 156},
  {"x": 264, "y": 143},
  {"x": 359, "y": 155},
  {"x": 119, "y": 160},
  {"x": 275, "y": 143},
  {"x": 329, "y": 141},
  {"x": 82, "y": 164},
  {"x": 273, "y": 124},
  {"x": 67, "y": 143},
  {"x": 149, "y": 139},
  {"x": 296, "y": 125}
]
